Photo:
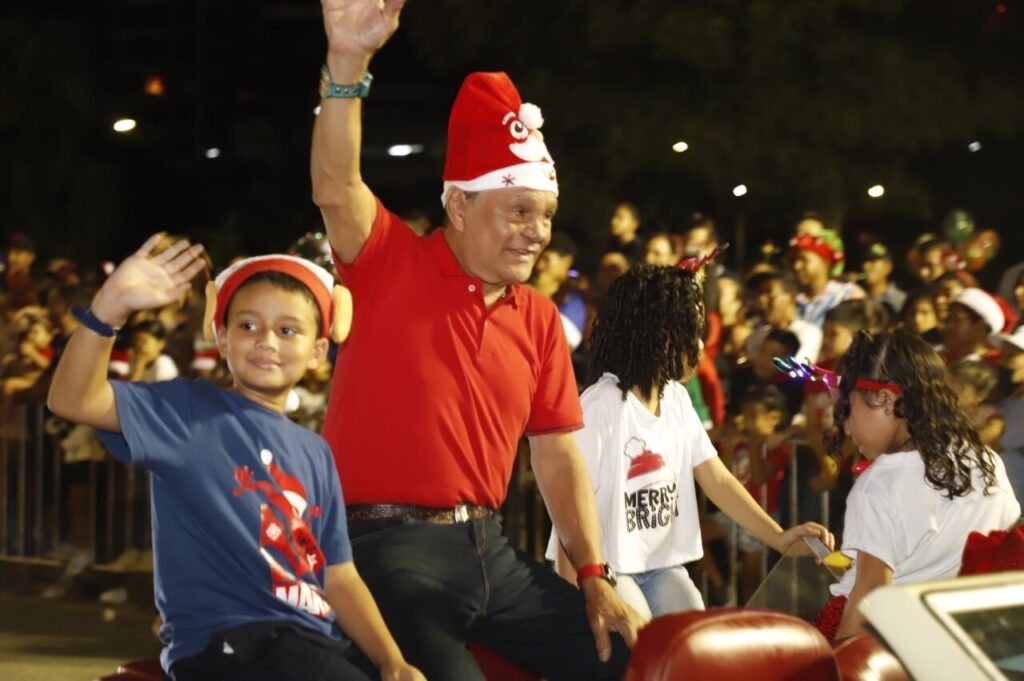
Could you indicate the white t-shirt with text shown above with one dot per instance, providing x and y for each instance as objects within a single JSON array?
[{"x": 641, "y": 467}]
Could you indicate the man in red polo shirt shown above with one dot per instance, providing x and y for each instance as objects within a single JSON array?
[{"x": 449, "y": 362}]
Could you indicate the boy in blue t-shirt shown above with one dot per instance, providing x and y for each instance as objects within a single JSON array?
[{"x": 253, "y": 570}]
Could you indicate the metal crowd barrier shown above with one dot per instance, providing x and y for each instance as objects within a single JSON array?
[
  {"x": 34, "y": 517},
  {"x": 793, "y": 514}
]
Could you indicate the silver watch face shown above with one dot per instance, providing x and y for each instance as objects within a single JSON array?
[{"x": 609, "y": 574}]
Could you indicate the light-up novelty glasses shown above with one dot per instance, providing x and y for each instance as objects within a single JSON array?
[{"x": 807, "y": 371}]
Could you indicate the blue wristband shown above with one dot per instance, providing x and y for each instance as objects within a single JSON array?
[{"x": 94, "y": 323}]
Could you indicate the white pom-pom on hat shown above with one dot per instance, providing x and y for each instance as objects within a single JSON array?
[{"x": 530, "y": 116}]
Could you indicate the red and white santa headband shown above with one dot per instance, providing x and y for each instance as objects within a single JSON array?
[
  {"x": 494, "y": 139},
  {"x": 333, "y": 301}
]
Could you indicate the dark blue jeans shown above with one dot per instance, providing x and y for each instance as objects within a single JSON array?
[
  {"x": 442, "y": 586},
  {"x": 269, "y": 651}
]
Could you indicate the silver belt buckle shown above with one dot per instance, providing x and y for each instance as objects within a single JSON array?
[{"x": 461, "y": 513}]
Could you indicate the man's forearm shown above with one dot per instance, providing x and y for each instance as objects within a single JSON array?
[
  {"x": 565, "y": 484},
  {"x": 338, "y": 189}
]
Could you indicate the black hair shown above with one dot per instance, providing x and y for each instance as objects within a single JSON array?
[
  {"x": 703, "y": 221},
  {"x": 631, "y": 207},
  {"x": 932, "y": 244},
  {"x": 854, "y": 315},
  {"x": 768, "y": 396},
  {"x": 648, "y": 329},
  {"x": 562, "y": 244},
  {"x": 949, "y": 276},
  {"x": 785, "y": 279},
  {"x": 981, "y": 376},
  {"x": 151, "y": 326},
  {"x": 916, "y": 296},
  {"x": 75, "y": 295},
  {"x": 787, "y": 339},
  {"x": 283, "y": 282},
  {"x": 973, "y": 316},
  {"x": 818, "y": 216},
  {"x": 928, "y": 402}
]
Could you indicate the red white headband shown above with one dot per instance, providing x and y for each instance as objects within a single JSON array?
[{"x": 334, "y": 302}]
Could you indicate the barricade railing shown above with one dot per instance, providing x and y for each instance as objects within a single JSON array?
[
  {"x": 796, "y": 489},
  {"x": 36, "y": 521},
  {"x": 109, "y": 509}
]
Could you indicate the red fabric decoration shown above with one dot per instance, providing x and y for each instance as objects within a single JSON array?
[
  {"x": 830, "y": 616},
  {"x": 998, "y": 551}
]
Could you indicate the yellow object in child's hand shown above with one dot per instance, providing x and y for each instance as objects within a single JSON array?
[{"x": 838, "y": 559}]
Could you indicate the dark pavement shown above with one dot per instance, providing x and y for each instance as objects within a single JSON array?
[{"x": 77, "y": 640}]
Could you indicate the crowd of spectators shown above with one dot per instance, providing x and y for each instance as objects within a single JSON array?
[{"x": 807, "y": 302}]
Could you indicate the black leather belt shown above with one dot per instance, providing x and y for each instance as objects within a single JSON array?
[{"x": 441, "y": 516}]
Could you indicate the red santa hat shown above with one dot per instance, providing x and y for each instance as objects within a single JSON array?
[
  {"x": 985, "y": 306},
  {"x": 494, "y": 139},
  {"x": 205, "y": 359},
  {"x": 333, "y": 301}
]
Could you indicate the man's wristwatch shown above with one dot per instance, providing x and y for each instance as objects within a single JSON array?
[
  {"x": 602, "y": 570},
  {"x": 329, "y": 89}
]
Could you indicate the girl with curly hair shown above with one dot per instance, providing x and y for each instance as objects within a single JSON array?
[
  {"x": 645, "y": 446},
  {"x": 930, "y": 482}
]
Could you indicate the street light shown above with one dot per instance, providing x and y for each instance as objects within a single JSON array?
[
  {"x": 876, "y": 191},
  {"x": 680, "y": 146},
  {"x": 974, "y": 146},
  {"x": 212, "y": 152},
  {"x": 123, "y": 125},
  {"x": 739, "y": 190},
  {"x": 404, "y": 149}
]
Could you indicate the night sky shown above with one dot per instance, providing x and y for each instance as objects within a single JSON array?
[{"x": 807, "y": 103}]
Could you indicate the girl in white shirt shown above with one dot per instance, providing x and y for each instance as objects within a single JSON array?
[
  {"x": 930, "y": 483},
  {"x": 645, "y": 446}
]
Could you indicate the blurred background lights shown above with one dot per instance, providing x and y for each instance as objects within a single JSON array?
[
  {"x": 974, "y": 146},
  {"x": 404, "y": 149},
  {"x": 680, "y": 146},
  {"x": 876, "y": 191},
  {"x": 212, "y": 152},
  {"x": 316, "y": 110},
  {"x": 154, "y": 86},
  {"x": 739, "y": 190},
  {"x": 124, "y": 125}
]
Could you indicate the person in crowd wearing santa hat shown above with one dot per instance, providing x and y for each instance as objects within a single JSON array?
[
  {"x": 451, "y": 360},
  {"x": 817, "y": 259},
  {"x": 253, "y": 570},
  {"x": 974, "y": 315}
]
